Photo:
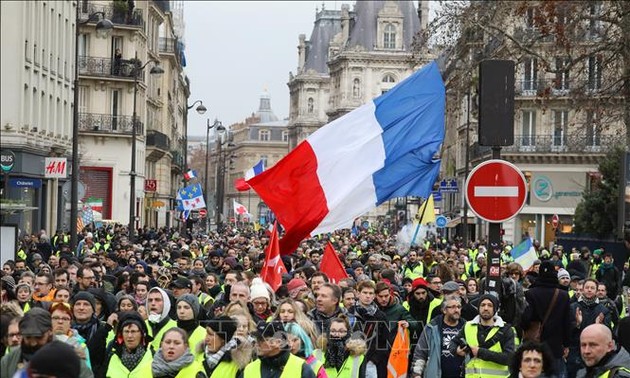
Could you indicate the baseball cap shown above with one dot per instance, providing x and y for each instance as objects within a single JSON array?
[
  {"x": 272, "y": 329},
  {"x": 182, "y": 283},
  {"x": 35, "y": 322}
]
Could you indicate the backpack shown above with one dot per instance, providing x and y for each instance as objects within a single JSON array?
[{"x": 513, "y": 302}]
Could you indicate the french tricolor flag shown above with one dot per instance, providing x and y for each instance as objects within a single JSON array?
[
  {"x": 191, "y": 174},
  {"x": 241, "y": 183},
  {"x": 384, "y": 149}
]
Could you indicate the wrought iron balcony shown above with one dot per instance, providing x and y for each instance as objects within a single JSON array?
[
  {"x": 107, "y": 67},
  {"x": 167, "y": 45},
  {"x": 158, "y": 140},
  {"x": 118, "y": 13},
  {"x": 178, "y": 160},
  {"x": 576, "y": 143},
  {"x": 108, "y": 123},
  {"x": 563, "y": 87}
]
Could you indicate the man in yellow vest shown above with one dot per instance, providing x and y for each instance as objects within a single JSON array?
[
  {"x": 486, "y": 341},
  {"x": 598, "y": 353},
  {"x": 275, "y": 359}
]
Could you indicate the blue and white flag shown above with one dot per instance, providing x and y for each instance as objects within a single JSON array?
[
  {"x": 192, "y": 197},
  {"x": 525, "y": 254},
  {"x": 255, "y": 170}
]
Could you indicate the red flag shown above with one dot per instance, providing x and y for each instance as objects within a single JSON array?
[
  {"x": 241, "y": 185},
  {"x": 332, "y": 266},
  {"x": 273, "y": 267}
]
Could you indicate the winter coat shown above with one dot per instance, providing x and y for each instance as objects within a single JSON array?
[
  {"x": 611, "y": 277},
  {"x": 557, "y": 330},
  {"x": 9, "y": 365},
  {"x": 374, "y": 327},
  {"x": 614, "y": 360},
  {"x": 428, "y": 352},
  {"x": 589, "y": 314}
]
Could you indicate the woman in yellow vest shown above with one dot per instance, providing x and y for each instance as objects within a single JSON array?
[
  {"x": 341, "y": 355},
  {"x": 187, "y": 319},
  {"x": 224, "y": 353},
  {"x": 302, "y": 346},
  {"x": 174, "y": 359},
  {"x": 131, "y": 355}
]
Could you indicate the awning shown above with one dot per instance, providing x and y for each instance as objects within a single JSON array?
[{"x": 456, "y": 221}]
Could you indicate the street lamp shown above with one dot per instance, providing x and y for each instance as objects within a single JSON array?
[
  {"x": 155, "y": 70},
  {"x": 200, "y": 109},
  {"x": 221, "y": 129},
  {"x": 221, "y": 155},
  {"x": 103, "y": 27}
]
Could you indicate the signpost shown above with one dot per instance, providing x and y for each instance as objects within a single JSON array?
[
  {"x": 441, "y": 221},
  {"x": 555, "y": 221},
  {"x": 496, "y": 190}
]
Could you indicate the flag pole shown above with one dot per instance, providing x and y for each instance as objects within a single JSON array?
[{"x": 415, "y": 234}]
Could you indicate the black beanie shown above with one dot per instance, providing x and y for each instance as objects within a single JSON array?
[
  {"x": 547, "y": 270},
  {"x": 224, "y": 326},
  {"x": 84, "y": 296},
  {"x": 56, "y": 359},
  {"x": 491, "y": 298}
]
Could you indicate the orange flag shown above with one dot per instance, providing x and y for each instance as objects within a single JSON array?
[
  {"x": 332, "y": 266},
  {"x": 273, "y": 268},
  {"x": 399, "y": 356}
]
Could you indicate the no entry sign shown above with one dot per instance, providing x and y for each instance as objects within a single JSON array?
[{"x": 496, "y": 190}]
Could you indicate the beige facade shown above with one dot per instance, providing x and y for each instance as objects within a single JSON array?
[
  {"x": 37, "y": 66},
  {"x": 107, "y": 69},
  {"x": 564, "y": 123}
]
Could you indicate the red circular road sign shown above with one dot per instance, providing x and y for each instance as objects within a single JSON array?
[
  {"x": 496, "y": 190},
  {"x": 203, "y": 213},
  {"x": 555, "y": 221}
]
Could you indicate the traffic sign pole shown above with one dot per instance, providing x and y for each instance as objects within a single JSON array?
[{"x": 493, "y": 264}]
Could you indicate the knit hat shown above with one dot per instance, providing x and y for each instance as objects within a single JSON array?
[
  {"x": 450, "y": 286},
  {"x": 56, "y": 359},
  {"x": 223, "y": 326},
  {"x": 25, "y": 285},
  {"x": 258, "y": 290},
  {"x": 36, "y": 256},
  {"x": 126, "y": 318},
  {"x": 84, "y": 296},
  {"x": 193, "y": 301},
  {"x": 9, "y": 281},
  {"x": 419, "y": 283},
  {"x": 491, "y": 298},
  {"x": 231, "y": 261},
  {"x": 295, "y": 286},
  {"x": 563, "y": 273}
]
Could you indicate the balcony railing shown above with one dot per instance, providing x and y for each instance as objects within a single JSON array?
[
  {"x": 564, "y": 86},
  {"x": 158, "y": 140},
  {"x": 178, "y": 159},
  {"x": 108, "y": 123},
  {"x": 107, "y": 67},
  {"x": 117, "y": 14},
  {"x": 167, "y": 45},
  {"x": 560, "y": 143}
]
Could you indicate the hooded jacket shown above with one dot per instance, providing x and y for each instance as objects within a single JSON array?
[
  {"x": 620, "y": 359},
  {"x": 157, "y": 324}
]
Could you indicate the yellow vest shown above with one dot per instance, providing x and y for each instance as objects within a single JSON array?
[
  {"x": 292, "y": 369},
  {"x": 476, "y": 367},
  {"x": 349, "y": 369},
  {"x": 225, "y": 369},
  {"x": 191, "y": 370},
  {"x": 417, "y": 272},
  {"x": 157, "y": 338},
  {"x": 116, "y": 369},
  {"x": 198, "y": 335},
  {"x": 606, "y": 374},
  {"x": 436, "y": 302}
]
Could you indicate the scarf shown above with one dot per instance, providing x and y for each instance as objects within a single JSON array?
[
  {"x": 369, "y": 309},
  {"x": 87, "y": 330},
  {"x": 589, "y": 302},
  {"x": 336, "y": 352},
  {"x": 131, "y": 359},
  {"x": 214, "y": 291},
  {"x": 162, "y": 368},
  {"x": 605, "y": 266},
  {"x": 213, "y": 359},
  {"x": 188, "y": 325}
]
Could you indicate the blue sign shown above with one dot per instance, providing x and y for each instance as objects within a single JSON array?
[
  {"x": 441, "y": 221},
  {"x": 449, "y": 186},
  {"x": 25, "y": 183},
  {"x": 437, "y": 196}
]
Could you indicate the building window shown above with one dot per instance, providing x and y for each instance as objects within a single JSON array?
[
  {"x": 529, "y": 128},
  {"x": 356, "y": 88},
  {"x": 389, "y": 37},
  {"x": 264, "y": 160},
  {"x": 594, "y": 73},
  {"x": 285, "y": 136},
  {"x": 560, "y": 122},
  {"x": 389, "y": 79},
  {"x": 263, "y": 135},
  {"x": 311, "y": 105},
  {"x": 530, "y": 75},
  {"x": 593, "y": 129},
  {"x": 561, "y": 83}
]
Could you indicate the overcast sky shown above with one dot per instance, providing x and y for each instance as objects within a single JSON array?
[{"x": 235, "y": 50}]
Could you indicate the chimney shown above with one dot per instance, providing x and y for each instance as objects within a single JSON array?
[
  {"x": 345, "y": 23},
  {"x": 301, "y": 53}
]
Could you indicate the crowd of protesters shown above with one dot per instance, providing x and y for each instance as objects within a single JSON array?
[{"x": 165, "y": 304}]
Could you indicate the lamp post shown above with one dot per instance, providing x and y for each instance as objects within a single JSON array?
[
  {"x": 155, "y": 70},
  {"x": 467, "y": 163},
  {"x": 221, "y": 129},
  {"x": 220, "y": 190},
  {"x": 103, "y": 27}
]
